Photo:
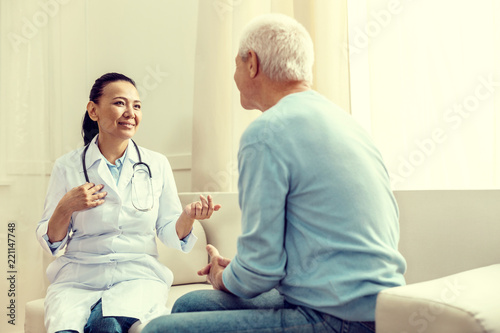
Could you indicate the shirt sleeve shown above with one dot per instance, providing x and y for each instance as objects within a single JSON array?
[
  {"x": 259, "y": 264},
  {"x": 53, "y": 246},
  {"x": 55, "y": 192},
  {"x": 168, "y": 213}
]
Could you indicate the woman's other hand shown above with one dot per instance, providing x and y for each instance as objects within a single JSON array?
[
  {"x": 83, "y": 197},
  {"x": 78, "y": 198}
]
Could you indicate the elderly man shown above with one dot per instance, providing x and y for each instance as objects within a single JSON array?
[{"x": 319, "y": 221}]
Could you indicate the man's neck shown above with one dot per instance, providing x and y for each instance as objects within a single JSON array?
[{"x": 273, "y": 92}]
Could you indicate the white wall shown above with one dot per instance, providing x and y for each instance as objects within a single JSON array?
[{"x": 152, "y": 42}]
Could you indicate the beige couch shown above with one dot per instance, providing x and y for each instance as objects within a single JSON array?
[{"x": 450, "y": 241}]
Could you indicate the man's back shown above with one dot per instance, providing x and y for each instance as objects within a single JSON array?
[{"x": 319, "y": 219}]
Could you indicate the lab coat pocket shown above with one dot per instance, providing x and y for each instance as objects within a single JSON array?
[
  {"x": 94, "y": 275},
  {"x": 97, "y": 220},
  {"x": 62, "y": 270}
]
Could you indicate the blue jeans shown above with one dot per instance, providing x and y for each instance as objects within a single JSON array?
[
  {"x": 216, "y": 311},
  {"x": 98, "y": 323}
]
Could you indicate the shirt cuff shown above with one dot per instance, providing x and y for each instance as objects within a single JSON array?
[
  {"x": 52, "y": 246},
  {"x": 188, "y": 242},
  {"x": 186, "y": 239}
]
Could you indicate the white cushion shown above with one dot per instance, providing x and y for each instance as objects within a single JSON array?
[
  {"x": 468, "y": 302},
  {"x": 185, "y": 266},
  {"x": 34, "y": 317}
]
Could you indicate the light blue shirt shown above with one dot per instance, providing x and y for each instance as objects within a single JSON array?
[
  {"x": 116, "y": 168},
  {"x": 319, "y": 220}
]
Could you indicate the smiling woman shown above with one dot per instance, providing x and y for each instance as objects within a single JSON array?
[
  {"x": 113, "y": 97},
  {"x": 115, "y": 108},
  {"x": 109, "y": 276}
]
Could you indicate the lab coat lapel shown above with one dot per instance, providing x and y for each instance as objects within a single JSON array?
[{"x": 97, "y": 169}]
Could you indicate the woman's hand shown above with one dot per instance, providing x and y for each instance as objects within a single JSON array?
[
  {"x": 78, "y": 198},
  {"x": 201, "y": 210},
  {"x": 198, "y": 210},
  {"x": 83, "y": 197}
]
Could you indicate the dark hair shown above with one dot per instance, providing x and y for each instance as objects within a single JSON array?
[{"x": 89, "y": 127}]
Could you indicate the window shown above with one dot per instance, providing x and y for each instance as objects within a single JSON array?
[{"x": 425, "y": 82}]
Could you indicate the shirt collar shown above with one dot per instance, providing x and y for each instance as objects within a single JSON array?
[
  {"x": 94, "y": 154},
  {"x": 118, "y": 162}
]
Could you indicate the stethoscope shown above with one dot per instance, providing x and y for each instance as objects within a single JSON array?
[{"x": 137, "y": 204}]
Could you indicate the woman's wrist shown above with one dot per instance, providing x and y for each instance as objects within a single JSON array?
[
  {"x": 184, "y": 225},
  {"x": 58, "y": 224}
]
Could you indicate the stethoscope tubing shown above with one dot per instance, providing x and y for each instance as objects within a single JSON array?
[{"x": 138, "y": 163}]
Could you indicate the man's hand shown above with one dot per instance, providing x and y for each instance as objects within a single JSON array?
[{"x": 214, "y": 269}]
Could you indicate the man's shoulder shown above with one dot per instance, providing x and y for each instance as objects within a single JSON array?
[
  {"x": 283, "y": 116},
  {"x": 262, "y": 128}
]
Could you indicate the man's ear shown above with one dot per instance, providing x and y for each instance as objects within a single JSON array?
[
  {"x": 91, "y": 110},
  {"x": 253, "y": 64}
]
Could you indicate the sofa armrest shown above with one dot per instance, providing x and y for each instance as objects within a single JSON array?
[{"x": 467, "y": 302}]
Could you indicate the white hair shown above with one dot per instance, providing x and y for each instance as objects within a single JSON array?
[{"x": 283, "y": 46}]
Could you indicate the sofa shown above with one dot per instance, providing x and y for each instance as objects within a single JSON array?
[{"x": 449, "y": 239}]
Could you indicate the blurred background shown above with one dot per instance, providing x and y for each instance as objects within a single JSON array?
[{"x": 422, "y": 77}]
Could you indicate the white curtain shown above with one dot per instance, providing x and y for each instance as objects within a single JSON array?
[
  {"x": 218, "y": 117},
  {"x": 425, "y": 81},
  {"x": 25, "y": 86}
]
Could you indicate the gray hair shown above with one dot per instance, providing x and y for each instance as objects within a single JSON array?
[{"x": 283, "y": 46}]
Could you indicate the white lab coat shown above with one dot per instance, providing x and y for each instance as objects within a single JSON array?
[{"x": 111, "y": 250}]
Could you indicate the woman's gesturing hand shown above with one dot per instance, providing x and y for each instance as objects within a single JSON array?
[
  {"x": 83, "y": 197},
  {"x": 198, "y": 210},
  {"x": 201, "y": 210},
  {"x": 78, "y": 198}
]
